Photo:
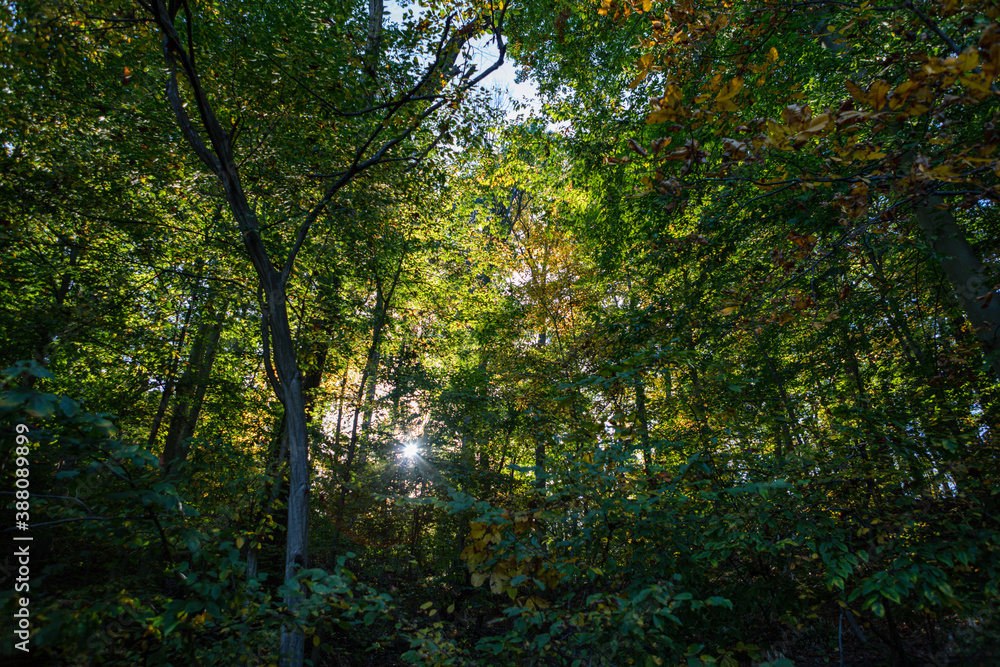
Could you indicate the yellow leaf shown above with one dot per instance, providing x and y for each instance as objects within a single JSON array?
[
  {"x": 978, "y": 85},
  {"x": 728, "y": 311},
  {"x": 902, "y": 91},
  {"x": 879, "y": 93},
  {"x": 968, "y": 60},
  {"x": 731, "y": 89},
  {"x": 661, "y": 116},
  {"x": 539, "y": 602},
  {"x": 673, "y": 92},
  {"x": 637, "y": 80},
  {"x": 426, "y": 605},
  {"x": 945, "y": 172},
  {"x": 816, "y": 125},
  {"x": 239, "y": 542},
  {"x": 856, "y": 92},
  {"x": 772, "y": 55},
  {"x": 647, "y": 5}
]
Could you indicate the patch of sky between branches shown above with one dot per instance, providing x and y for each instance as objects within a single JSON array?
[{"x": 483, "y": 52}]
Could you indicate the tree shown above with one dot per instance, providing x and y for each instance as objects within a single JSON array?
[{"x": 378, "y": 122}]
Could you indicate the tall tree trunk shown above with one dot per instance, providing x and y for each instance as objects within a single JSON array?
[
  {"x": 374, "y": 359},
  {"x": 398, "y": 381},
  {"x": 789, "y": 422},
  {"x": 170, "y": 378},
  {"x": 290, "y": 383},
  {"x": 340, "y": 410},
  {"x": 642, "y": 424},
  {"x": 965, "y": 272},
  {"x": 897, "y": 321},
  {"x": 540, "y": 464},
  {"x": 191, "y": 387}
]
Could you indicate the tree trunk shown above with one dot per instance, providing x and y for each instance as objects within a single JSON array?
[
  {"x": 190, "y": 389},
  {"x": 642, "y": 424},
  {"x": 894, "y": 314},
  {"x": 540, "y": 465},
  {"x": 340, "y": 411},
  {"x": 170, "y": 377},
  {"x": 965, "y": 272},
  {"x": 290, "y": 378}
]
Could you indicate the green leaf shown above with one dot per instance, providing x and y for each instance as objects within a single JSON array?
[
  {"x": 41, "y": 405},
  {"x": 68, "y": 406}
]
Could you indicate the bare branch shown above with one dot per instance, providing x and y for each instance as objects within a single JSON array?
[
  {"x": 184, "y": 122},
  {"x": 933, "y": 26}
]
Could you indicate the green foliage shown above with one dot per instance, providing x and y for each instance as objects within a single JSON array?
[{"x": 698, "y": 355}]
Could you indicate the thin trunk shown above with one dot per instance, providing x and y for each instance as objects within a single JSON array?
[
  {"x": 374, "y": 361},
  {"x": 370, "y": 376},
  {"x": 340, "y": 410},
  {"x": 642, "y": 424},
  {"x": 374, "y": 45},
  {"x": 351, "y": 449},
  {"x": 965, "y": 272},
  {"x": 59, "y": 294},
  {"x": 897, "y": 321},
  {"x": 789, "y": 422},
  {"x": 169, "y": 379},
  {"x": 383, "y": 304},
  {"x": 397, "y": 386},
  {"x": 190, "y": 389},
  {"x": 171, "y": 376},
  {"x": 467, "y": 453},
  {"x": 540, "y": 463},
  {"x": 314, "y": 378}
]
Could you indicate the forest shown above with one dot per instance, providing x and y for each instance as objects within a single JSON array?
[{"x": 321, "y": 349}]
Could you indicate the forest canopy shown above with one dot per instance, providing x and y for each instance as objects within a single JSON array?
[{"x": 320, "y": 351}]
